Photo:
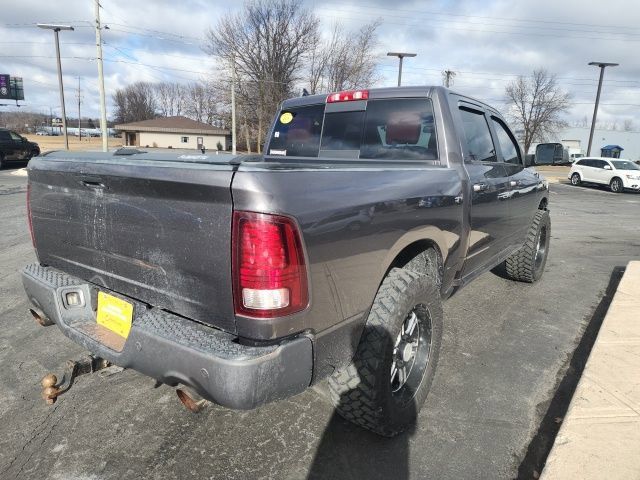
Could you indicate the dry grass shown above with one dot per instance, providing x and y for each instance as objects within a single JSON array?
[{"x": 47, "y": 143}]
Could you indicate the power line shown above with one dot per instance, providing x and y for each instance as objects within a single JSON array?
[
  {"x": 493, "y": 18},
  {"x": 151, "y": 36},
  {"x": 158, "y": 32},
  {"x": 477, "y": 76},
  {"x": 359, "y": 13},
  {"x": 43, "y": 43},
  {"x": 43, "y": 56}
]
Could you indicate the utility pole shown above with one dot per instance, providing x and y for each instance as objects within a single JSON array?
[
  {"x": 400, "y": 56},
  {"x": 448, "y": 77},
  {"x": 103, "y": 106},
  {"x": 602, "y": 66},
  {"x": 56, "y": 29},
  {"x": 79, "y": 117},
  {"x": 233, "y": 105}
]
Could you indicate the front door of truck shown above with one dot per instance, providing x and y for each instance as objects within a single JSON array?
[{"x": 490, "y": 191}]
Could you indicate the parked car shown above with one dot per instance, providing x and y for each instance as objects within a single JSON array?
[
  {"x": 619, "y": 174},
  {"x": 246, "y": 279},
  {"x": 14, "y": 147}
]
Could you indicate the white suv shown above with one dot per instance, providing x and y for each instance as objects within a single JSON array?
[{"x": 618, "y": 173}]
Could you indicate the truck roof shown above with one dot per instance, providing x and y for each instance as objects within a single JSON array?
[{"x": 387, "y": 92}]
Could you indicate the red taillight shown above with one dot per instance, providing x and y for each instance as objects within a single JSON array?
[
  {"x": 269, "y": 271},
  {"x": 348, "y": 96},
  {"x": 33, "y": 239}
]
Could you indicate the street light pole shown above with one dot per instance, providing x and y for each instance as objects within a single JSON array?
[
  {"x": 400, "y": 56},
  {"x": 56, "y": 29},
  {"x": 602, "y": 66}
]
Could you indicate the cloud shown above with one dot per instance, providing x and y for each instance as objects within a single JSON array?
[{"x": 488, "y": 43}]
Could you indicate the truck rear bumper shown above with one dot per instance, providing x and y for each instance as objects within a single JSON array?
[{"x": 175, "y": 350}]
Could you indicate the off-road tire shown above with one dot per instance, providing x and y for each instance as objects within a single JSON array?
[
  {"x": 575, "y": 180},
  {"x": 616, "y": 185},
  {"x": 362, "y": 391},
  {"x": 522, "y": 265}
]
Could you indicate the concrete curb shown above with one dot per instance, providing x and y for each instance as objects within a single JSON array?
[{"x": 600, "y": 435}]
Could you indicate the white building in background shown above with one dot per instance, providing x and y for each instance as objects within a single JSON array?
[
  {"x": 577, "y": 138},
  {"x": 174, "y": 132}
]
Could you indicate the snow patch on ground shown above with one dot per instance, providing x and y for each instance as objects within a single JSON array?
[{"x": 21, "y": 172}]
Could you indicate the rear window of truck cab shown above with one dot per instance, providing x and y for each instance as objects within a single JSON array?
[{"x": 380, "y": 129}]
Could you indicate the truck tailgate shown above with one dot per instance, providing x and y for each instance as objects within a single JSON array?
[{"x": 158, "y": 231}]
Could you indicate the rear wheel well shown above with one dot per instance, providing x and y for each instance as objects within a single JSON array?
[
  {"x": 422, "y": 257},
  {"x": 543, "y": 204}
]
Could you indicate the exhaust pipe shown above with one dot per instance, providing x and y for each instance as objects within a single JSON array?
[
  {"x": 191, "y": 400},
  {"x": 40, "y": 317}
]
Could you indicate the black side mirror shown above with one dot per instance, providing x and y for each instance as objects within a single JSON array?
[{"x": 529, "y": 160}]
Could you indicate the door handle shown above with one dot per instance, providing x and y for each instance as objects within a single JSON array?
[
  {"x": 93, "y": 184},
  {"x": 514, "y": 183},
  {"x": 480, "y": 187}
]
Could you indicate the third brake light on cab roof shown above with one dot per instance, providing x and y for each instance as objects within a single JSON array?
[{"x": 348, "y": 96}]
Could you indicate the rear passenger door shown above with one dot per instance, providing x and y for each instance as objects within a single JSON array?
[
  {"x": 489, "y": 189},
  {"x": 600, "y": 174},
  {"x": 588, "y": 170},
  {"x": 523, "y": 183}
]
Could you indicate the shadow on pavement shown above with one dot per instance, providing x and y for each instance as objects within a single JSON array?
[
  {"x": 541, "y": 445},
  {"x": 347, "y": 451}
]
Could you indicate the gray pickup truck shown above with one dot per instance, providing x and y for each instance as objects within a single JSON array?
[{"x": 248, "y": 279}]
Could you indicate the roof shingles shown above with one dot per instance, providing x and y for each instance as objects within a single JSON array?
[{"x": 177, "y": 124}]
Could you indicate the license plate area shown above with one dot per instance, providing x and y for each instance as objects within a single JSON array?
[{"x": 114, "y": 314}]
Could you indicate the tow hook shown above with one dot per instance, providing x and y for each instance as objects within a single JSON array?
[{"x": 52, "y": 389}]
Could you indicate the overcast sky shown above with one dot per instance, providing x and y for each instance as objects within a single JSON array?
[{"x": 488, "y": 43}]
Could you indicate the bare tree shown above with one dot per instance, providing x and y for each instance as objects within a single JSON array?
[
  {"x": 170, "y": 98},
  {"x": 346, "y": 61},
  {"x": 627, "y": 125},
  {"x": 23, "y": 121},
  {"x": 200, "y": 102},
  {"x": 537, "y": 104},
  {"x": 447, "y": 77},
  {"x": 268, "y": 44},
  {"x": 134, "y": 102}
]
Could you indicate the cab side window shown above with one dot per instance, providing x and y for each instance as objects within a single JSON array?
[
  {"x": 508, "y": 145},
  {"x": 477, "y": 135}
]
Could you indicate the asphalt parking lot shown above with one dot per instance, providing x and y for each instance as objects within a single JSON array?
[{"x": 505, "y": 349}]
